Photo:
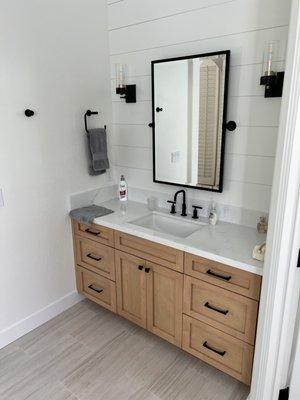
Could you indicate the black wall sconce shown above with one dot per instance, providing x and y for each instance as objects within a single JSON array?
[
  {"x": 127, "y": 92},
  {"x": 271, "y": 78}
]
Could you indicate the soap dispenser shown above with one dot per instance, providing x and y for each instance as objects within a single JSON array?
[
  {"x": 213, "y": 217},
  {"x": 123, "y": 193}
]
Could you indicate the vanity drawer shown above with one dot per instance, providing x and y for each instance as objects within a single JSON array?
[
  {"x": 157, "y": 253},
  {"x": 97, "y": 233},
  {"x": 222, "y": 351},
  {"x": 226, "y": 311},
  {"x": 222, "y": 275},
  {"x": 96, "y": 288},
  {"x": 96, "y": 257}
]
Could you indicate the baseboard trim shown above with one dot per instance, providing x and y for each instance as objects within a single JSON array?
[{"x": 20, "y": 328}]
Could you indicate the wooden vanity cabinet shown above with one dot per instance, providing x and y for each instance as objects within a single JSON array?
[
  {"x": 220, "y": 308},
  {"x": 95, "y": 263},
  {"x": 154, "y": 252},
  {"x": 131, "y": 288},
  {"x": 224, "y": 276},
  {"x": 207, "y": 308},
  {"x": 227, "y": 311},
  {"x": 150, "y": 296},
  {"x": 96, "y": 257},
  {"x": 96, "y": 288},
  {"x": 97, "y": 233},
  {"x": 164, "y": 303}
]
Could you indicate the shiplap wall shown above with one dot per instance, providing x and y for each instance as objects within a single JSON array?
[{"x": 143, "y": 30}]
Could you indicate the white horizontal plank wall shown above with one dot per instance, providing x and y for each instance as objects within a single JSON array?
[{"x": 141, "y": 31}]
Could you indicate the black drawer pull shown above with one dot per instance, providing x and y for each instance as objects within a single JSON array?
[
  {"x": 93, "y": 258},
  {"x": 225, "y": 278},
  {"x": 92, "y": 233},
  {"x": 141, "y": 267},
  {"x": 221, "y": 353},
  {"x": 147, "y": 270},
  {"x": 224, "y": 312},
  {"x": 94, "y": 289}
]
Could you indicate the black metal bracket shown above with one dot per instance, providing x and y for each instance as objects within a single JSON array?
[
  {"x": 128, "y": 93},
  {"x": 231, "y": 126},
  {"x": 284, "y": 394},
  {"x": 88, "y": 114},
  {"x": 29, "y": 113},
  {"x": 273, "y": 84}
]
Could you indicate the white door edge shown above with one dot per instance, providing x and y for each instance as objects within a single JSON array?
[{"x": 274, "y": 336}]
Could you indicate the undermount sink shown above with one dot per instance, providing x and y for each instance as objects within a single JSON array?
[{"x": 171, "y": 225}]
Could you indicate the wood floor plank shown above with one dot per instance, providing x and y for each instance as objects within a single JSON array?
[
  {"x": 50, "y": 365},
  {"x": 52, "y": 391},
  {"x": 62, "y": 325},
  {"x": 88, "y": 353}
]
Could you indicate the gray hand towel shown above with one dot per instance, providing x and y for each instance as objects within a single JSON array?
[
  {"x": 97, "y": 146},
  {"x": 86, "y": 215}
]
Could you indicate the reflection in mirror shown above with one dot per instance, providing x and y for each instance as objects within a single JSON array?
[{"x": 189, "y": 107}]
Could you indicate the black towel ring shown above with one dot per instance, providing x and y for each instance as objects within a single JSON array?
[{"x": 88, "y": 114}]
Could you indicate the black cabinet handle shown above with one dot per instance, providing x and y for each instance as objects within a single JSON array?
[
  {"x": 147, "y": 270},
  {"x": 92, "y": 233},
  {"x": 224, "y": 312},
  {"x": 221, "y": 353},
  {"x": 141, "y": 267},
  {"x": 225, "y": 278},
  {"x": 159, "y": 109},
  {"x": 94, "y": 289},
  {"x": 93, "y": 258}
]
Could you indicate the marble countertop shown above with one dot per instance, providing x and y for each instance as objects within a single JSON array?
[{"x": 227, "y": 243}]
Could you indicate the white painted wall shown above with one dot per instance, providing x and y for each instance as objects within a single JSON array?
[
  {"x": 142, "y": 30},
  {"x": 54, "y": 59}
]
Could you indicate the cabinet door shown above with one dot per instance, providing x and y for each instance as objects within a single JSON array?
[
  {"x": 164, "y": 302},
  {"x": 131, "y": 288}
]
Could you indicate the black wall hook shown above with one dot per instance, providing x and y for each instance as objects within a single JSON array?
[
  {"x": 29, "y": 113},
  {"x": 88, "y": 114},
  {"x": 231, "y": 126}
]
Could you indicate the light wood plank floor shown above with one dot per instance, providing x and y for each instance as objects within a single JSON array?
[{"x": 87, "y": 353}]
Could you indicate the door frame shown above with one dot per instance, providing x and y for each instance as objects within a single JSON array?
[{"x": 280, "y": 286}]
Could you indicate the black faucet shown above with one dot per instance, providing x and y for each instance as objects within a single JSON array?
[{"x": 183, "y": 212}]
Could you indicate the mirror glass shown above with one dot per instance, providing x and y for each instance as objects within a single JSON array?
[{"x": 189, "y": 118}]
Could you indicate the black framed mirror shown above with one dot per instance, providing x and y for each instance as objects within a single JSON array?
[{"x": 189, "y": 107}]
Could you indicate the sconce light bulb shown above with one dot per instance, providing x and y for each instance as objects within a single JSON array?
[
  {"x": 270, "y": 55},
  {"x": 120, "y": 76}
]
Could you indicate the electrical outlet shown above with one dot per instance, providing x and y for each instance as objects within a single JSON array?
[
  {"x": 175, "y": 157},
  {"x": 1, "y": 199}
]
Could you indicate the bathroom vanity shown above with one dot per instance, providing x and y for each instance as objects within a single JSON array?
[
  {"x": 206, "y": 305},
  {"x": 190, "y": 283}
]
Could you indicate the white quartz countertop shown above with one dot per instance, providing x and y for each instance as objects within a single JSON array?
[{"x": 227, "y": 243}]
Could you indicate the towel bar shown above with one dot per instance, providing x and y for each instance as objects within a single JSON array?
[{"x": 88, "y": 114}]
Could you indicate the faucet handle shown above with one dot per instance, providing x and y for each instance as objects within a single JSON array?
[
  {"x": 173, "y": 210},
  {"x": 195, "y": 212}
]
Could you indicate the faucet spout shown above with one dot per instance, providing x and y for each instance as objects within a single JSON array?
[{"x": 183, "y": 213}]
